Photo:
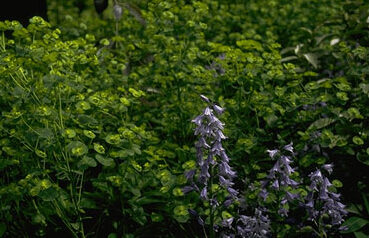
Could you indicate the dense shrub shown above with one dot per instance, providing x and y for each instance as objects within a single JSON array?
[{"x": 96, "y": 132}]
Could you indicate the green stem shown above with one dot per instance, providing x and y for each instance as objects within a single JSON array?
[{"x": 212, "y": 234}]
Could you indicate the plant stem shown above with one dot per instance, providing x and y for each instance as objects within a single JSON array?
[{"x": 212, "y": 234}]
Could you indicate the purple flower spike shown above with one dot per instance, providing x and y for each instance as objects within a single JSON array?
[
  {"x": 212, "y": 160},
  {"x": 255, "y": 226},
  {"x": 329, "y": 202},
  {"x": 279, "y": 178}
]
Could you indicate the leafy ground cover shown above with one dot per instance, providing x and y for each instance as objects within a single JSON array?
[{"x": 96, "y": 135}]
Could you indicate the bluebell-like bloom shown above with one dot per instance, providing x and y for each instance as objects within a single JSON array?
[
  {"x": 279, "y": 177},
  {"x": 272, "y": 153},
  {"x": 204, "y": 194},
  {"x": 328, "y": 168},
  {"x": 289, "y": 147},
  {"x": 227, "y": 223},
  {"x": 211, "y": 154},
  {"x": 187, "y": 189},
  {"x": 329, "y": 201},
  {"x": 190, "y": 174},
  {"x": 257, "y": 226}
]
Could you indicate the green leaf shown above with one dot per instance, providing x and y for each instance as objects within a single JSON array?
[
  {"x": 366, "y": 203},
  {"x": 112, "y": 235},
  {"x": 336, "y": 183},
  {"x": 40, "y": 153},
  {"x": 86, "y": 162},
  {"x": 89, "y": 134},
  {"x": 312, "y": 59},
  {"x": 365, "y": 88},
  {"x": 113, "y": 139},
  {"x": 2, "y": 229},
  {"x": 49, "y": 194},
  {"x": 354, "y": 224},
  {"x": 362, "y": 158},
  {"x": 77, "y": 148},
  {"x": 320, "y": 123},
  {"x": 109, "y": 162},
  {"x": 357, "y": 140},
  {"x": 360, "y": 235},
  {"x": 249, "y": 45},
  {"x": 99, "y": 148},
  {"x": 155, "y": 217},
  {"x": 289, "y": 58}
]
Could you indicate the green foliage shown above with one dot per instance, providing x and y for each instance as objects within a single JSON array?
[{"x": 95, "y": 129}]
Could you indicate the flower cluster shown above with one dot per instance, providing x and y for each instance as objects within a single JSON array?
[
  {"x": 279, "y": 178},
  {"x": 321, "y": 201},
  {"x": 211, "y": 155},
  {"x": 257, "y": 226}
]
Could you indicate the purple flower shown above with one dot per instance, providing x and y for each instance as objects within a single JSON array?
[
  {"x": 263, "y": 194},
  {"x": 225, "y": 182},
  {"x": 272, "y": 153},
  {"x": 227, "y": 223},
  {"x": 329, "y": 201},
  {"x": 190, "y": 174},
  {"x": 225, "y": 170},
  {"x": 289, "y": 147},
  {"x": 232, "y": 192},
  {"x": 204, "y": 194},
  {"x": 211, "y": 154},
  {"x": 255, "y": 226},
  {"x": 204, "y": 98},
  {"x": 275, "y": 185},
  {"x": 328, "y": 168},
  {"x": 218, "y": 109},
  {"x": 187, "y": 189},
  {"x": 279, "y": 178},
  {"x": 228, "y": 202}
]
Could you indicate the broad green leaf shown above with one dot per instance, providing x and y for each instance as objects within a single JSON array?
[
  {"x": 156, "y": 217},
  {"x": 365, "y": 88},
  {"x": 112, "y": 235},
  {"x": 113, "y": 139},
  {"x": 2, "y": 229},
  {"x": 109, "y": 162},
  {"x": 289, "y": 58},
  {"x": 89, "y": 134},
  {"x": 77, "y": 148},
  {"x": 354, "y": 224},
  {"x": 86, "y": 162},
  {"x": 312, "y": 59},
  {"x": 357, "y": 140},
  {"x": 99, "y": 148},
  {"x": 336, "y": 183},
  {"x": 366, "y": 202},
  {"x": 69, "y": 133},
  {"x": 360, "y": 235},
  {"x": 40, "y": 153},
  {"x": 363, "y": 158},
  {"x": 320, "y": 123},
  {"x": 49, "y": 194}
]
